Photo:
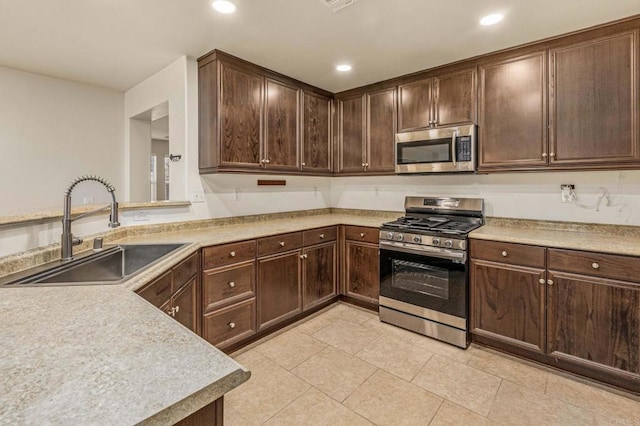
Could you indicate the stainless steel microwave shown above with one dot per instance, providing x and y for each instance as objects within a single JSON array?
[{"x": 444, "y": 150}]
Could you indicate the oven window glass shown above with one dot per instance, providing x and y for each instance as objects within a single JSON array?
[
  {"x": 432, "y": 151},
  {"x": 420, "y": 278}
]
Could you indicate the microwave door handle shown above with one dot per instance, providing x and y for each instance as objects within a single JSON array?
[{"x": 454, "y": 138}]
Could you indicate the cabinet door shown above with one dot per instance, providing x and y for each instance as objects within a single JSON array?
[
  {"x": 381, "y": 131},
  {"x": 513, "y": 113},
  {"x": 507, "y": 304},
  {"x": 240, "y": 119},
  {"x": 351, "y": 135},
  {"x": 594, "y": 98},
  {"x": 279, "y": 294},
  {"x": 316, "y": 134},
  {"x": 185, "y": 305},
  {"x": 414, "y": 105},
  {"x": 362, "y": 271},
  {"x": 281, "y": 126},
  {"x": 594, "y": 321},
  {"x": 319, "y": 274},
  {"x": 455, "y": 98}
]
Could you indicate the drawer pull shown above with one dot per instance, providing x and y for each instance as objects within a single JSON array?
[
  {"x": 232, "y": 325},
  {"x": 362, "y": 235},
  {"x": 550, "y": 282},
  {"x": 594, "y": 265},
  {"x": 281, "y": 243},
  {"x": 321, "y": 236},
  {"x": 232, "y": 254},
  {"x": 176, "y": 310},
  {"x": 232, "y": 284},
  {"x": 541, "y": 280},
  {"x": 304, "y": 256},
  {"x": 505, "y": 254}
]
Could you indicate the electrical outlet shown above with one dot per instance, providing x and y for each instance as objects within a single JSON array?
[
  {"x": 197, "y": 196},
  {"x": 141, "y": 217},
  {"x": 567, "y": 194},
  {"x": 87, "y": 200}
]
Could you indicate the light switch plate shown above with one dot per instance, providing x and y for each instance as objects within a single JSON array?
[{"x": 197, "y": 196}]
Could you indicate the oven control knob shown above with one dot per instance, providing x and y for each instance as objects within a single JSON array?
[
  {"x": 448, "y": 243},
  {"x": 436, "y": 241},
  {"x": 399, "y": 237},
  {"x": 389, "y": 235},
  {"x": 417, "y": 239}
]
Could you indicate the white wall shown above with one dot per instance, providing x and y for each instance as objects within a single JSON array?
[
  {"x": 52, "y": 131},
  {"x": 167, "y": 85},
  {"x": 515, "y": 195}
]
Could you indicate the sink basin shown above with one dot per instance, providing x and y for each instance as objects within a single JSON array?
[{"x": 113, "y": 265}]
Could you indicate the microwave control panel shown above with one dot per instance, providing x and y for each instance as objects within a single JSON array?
[{"x": 463, "y": 151}]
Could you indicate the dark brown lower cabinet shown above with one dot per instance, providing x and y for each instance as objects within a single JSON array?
[
  {"x": 185, "y": 305},
  {"x": 278, "y": 288},
  {"x": 319, "y": 274},
  {"x": 507, "y": 303},
  {"x": 209, "y": 415},
  {"x": 575, "y": 310},
  {"x": 594, "y": 321},
  {"x": 362, "y": 271}
]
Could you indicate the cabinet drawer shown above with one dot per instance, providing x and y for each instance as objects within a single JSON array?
[
  {"x": 279, "y": 243},
  {"x": 183, "y": 273},
  {"x": 159, "y": 291},
  {"x": 231, "y": 324},
  {"x": 595, "y": 264},
  {"x": 518, "y": 254},
  {"x": 320, "y": 235},
  {"x": 227, "y": 285},
  {"x": 361, "y": 233},
  {"x": 228, "y": 253}
]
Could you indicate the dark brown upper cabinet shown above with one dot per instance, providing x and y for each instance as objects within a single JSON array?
[
  {"x": 366, "y": 131},
  {"x": 444, "y": 100},
  {"x": 513, "y": 113},
  {"x": 282, "y": 108},
  {"x": 317, "y": 143},
  {"x": 255, "y": 120},
  {"x": 594, "y": 102}
]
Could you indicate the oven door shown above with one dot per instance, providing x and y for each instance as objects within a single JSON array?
[{"x": 435, "y": 284}]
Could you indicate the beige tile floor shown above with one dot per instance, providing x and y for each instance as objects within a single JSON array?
[{"x": 345, "y": 367}]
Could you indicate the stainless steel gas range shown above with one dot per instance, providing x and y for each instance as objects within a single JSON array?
[{"x": 424, "y": 276}]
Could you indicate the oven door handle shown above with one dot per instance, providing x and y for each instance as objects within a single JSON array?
[
  {"x": 425, "y": 251},
  {"x": 454, "y": 150}
]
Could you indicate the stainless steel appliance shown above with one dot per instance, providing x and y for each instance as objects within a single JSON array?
[
  {"x": 424, "y": 277},
  {"x": 443, "y": 150}
]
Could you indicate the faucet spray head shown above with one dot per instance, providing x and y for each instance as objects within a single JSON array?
[{"x": 113, "y": 218}]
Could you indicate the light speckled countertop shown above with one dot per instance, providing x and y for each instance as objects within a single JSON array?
[
  {"x": 588, "y": 237},
  {"x": 103, "y": 355}
]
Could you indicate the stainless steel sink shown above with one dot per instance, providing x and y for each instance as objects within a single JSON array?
[{"x": 112, "y": 265}]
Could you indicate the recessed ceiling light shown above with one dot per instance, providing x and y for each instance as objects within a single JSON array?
[
  {"x": 494, "y": 18},
  {"x": 343, "y": 68},
  {"x": 224, "y": 6}
]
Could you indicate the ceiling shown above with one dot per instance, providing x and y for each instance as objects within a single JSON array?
[{"x": 119, "y": 43}]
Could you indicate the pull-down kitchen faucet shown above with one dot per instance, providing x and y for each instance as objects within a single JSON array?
[{"x": 67, "y": 240}]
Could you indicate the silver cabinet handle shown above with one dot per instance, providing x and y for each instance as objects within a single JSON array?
[
  {"x": 541, "y": 280},
  {"x": 454, "y": 160},
  {"x": 544, "y": 155},
  {"x": 263, "y": 161},
  {"x": 362, "y": 235},
  {"x": 232, "y": 325},
  {"x": 364, "y": 164},
  {"x": 304, "y": 256},
  {"x": 552, "y": 154},
  {"x": 171, "y": 312},
  {"x": 504, "y": 254},
  {"x": 232, "y": 254},
  {"x": 321, "y": 236},
  {"x": 232, "y": 284},
  {"x": 550, "y": 282},
  {"x": 303, "y": 164},
  {"x": 176, "y": 309},
  {"x": 594, "y": 265},
  {"x": 267, "y": 161},
  {"x": 281, "y": 243}
]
